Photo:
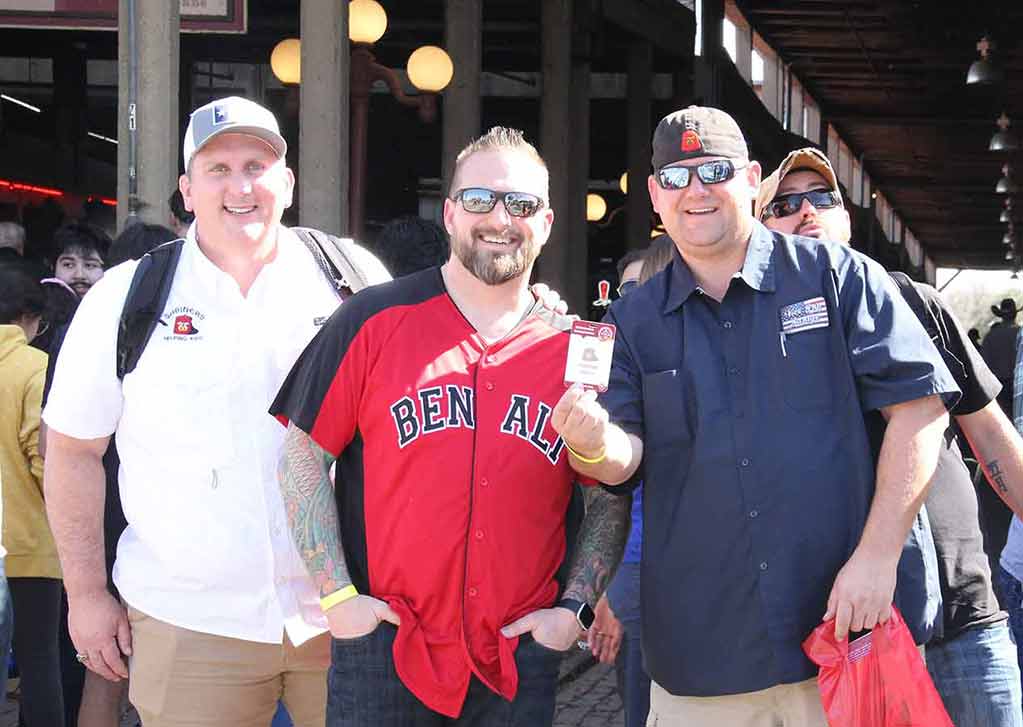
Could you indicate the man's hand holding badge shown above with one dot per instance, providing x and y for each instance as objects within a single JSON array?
[{"x": 578, "y": 418}]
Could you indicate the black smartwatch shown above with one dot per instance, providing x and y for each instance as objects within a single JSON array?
[{"x": 583, "y": 613}]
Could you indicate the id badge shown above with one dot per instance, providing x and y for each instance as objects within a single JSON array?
[{"x": 590, "y": 350}]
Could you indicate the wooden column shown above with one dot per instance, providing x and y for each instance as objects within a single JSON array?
[
  {"x": 323, "y": 116},
  {"x": 463, "y": 40},
  {"x": 157, "y": 143},
  {"x": 556, "y": 134},
  {"x": 639, "y": 132}
]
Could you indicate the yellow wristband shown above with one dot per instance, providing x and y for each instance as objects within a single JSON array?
[
  {"x": 328, "y": 602},
  {"x": 587, "y": 460}
]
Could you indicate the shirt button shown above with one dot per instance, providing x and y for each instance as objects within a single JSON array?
[
  {"x": 484, "y": 482},
  {"x": 763, "y": 565},
  {"x": 727, "y": 324},
  {"x": 490, "y": 386},
  {"x": 473, "y": 592},
  {"x": 479, "y": 535},
  {"x": 753, "y": 513},
  {"x": 744, "y": 462}
]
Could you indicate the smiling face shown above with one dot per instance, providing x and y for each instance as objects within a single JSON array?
[
  {"x": 79, "y": 267},
  {"x": 497, "y": 247},
  {"x": 823, "y": 224},
  {"x": 238, "y": 189},
  {"x": 708, "y": 220}
]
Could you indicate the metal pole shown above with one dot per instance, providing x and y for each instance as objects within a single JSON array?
[{"x": 133, "y": 95}]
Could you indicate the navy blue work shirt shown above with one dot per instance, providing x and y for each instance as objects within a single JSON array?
[{"x": 757, "y": 469}]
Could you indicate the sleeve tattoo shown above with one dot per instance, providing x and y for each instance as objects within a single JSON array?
[
  {"x": 304, "y": 478},
  {"x": 601, "y": 543}
]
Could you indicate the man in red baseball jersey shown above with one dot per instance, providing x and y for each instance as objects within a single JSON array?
[{"x": 442, "y": 554}]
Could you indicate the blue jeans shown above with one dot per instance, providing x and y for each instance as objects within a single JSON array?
[
  {"x": 363, "y": 689},
  {"x": 1010, "y": 592},
  {"x": 6, "y": 628},
  {"x": 978, "y": 678},
  {"x": 633, "y": 682},
  {"x": 281, "y": 718}
]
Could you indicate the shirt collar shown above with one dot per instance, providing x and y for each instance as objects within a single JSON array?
[
  {"x": 211, "y": 277},
  {"x": 757, "y": 270}
]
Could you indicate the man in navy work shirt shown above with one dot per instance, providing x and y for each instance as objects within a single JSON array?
[{"x": 741, "y": 375}]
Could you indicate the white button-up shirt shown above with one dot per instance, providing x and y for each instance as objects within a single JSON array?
[{"x": 208, "y": 546}]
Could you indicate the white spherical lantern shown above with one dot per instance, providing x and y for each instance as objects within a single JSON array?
[
  {"x": 367, "y": 21},
  {"x": 286, "y": 60},
  {"x": 596, "y": 207},
  {"x": 430, "y": 69}
]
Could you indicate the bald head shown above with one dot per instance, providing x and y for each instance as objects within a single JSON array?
[{"x": 12, "y": 235}]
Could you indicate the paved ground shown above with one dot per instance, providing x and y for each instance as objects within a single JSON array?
[{"x": 587, "y": 697}]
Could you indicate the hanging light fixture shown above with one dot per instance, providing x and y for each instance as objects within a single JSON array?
[
  {"x": 596, "y": 207},
  {"x": 286, "y": 60},
  {"x": 1006, "y": 185},
  {"x": 985, "y": 71},
  {"x": 1003, "y": 139}
]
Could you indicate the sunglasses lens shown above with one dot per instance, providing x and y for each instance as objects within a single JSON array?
[
  {"x": 790, "y": 204},
  {"x": 673, "y": 177},
  {"x": 478, "y": 200},
  {"x": 521, "y": 204},
  {"x": 715, "y": 172},
  {"x": 823, "y": 199}
]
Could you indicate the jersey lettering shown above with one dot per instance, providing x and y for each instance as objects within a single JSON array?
[
  {"x": 516, "y": 421},
  {"x": 425, "y": 414}
]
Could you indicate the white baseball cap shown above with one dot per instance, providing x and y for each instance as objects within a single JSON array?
[{"x": 232, "y": 115}]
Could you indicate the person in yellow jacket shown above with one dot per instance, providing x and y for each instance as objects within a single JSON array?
[{"x": 33, "y": 570}]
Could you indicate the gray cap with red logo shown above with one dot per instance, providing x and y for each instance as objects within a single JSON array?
[{"x": 697, "y": 131}]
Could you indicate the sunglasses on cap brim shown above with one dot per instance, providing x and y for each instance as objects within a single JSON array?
[
  {"x": 789, "y": 204},
  {"x": 480, "y": 201},
  {"x": 679, "y": 177}
]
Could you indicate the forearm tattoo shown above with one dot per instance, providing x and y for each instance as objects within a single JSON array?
[
  {"x": 602, "y": 537},
  {"x": 304, "y": 477},
  {"x": 997, "y": 476}
]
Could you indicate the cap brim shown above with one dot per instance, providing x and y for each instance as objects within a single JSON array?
[
  {"x": 796, "y": 161},
  {"x": 274, "y": 141}
]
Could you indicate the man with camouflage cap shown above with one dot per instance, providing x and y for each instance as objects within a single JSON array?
[{"x": 740, "y": 378}]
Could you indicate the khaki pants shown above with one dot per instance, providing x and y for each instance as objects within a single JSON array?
[
  {"x": 182, "y": 678},
  {"x": 786, "y": 705}
]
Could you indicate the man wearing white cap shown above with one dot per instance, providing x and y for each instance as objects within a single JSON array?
[{"x": 221, "y": 619}]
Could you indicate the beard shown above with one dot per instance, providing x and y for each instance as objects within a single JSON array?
[{"x": 498, "y": 266}]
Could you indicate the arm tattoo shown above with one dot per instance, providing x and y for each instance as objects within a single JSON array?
[
  {"x": 304, "y": 477},
  {"x": 997, "y": 476},
  {"x": 602, "y": 536}
]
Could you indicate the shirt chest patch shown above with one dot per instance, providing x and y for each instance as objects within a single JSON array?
[
  {"x": 805, "y": 315},
  {"x": 183, "y": 323}
]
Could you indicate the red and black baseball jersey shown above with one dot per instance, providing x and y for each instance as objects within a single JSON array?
[{"x": 452, "y": 486}]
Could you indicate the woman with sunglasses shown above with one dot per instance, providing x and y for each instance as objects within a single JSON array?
[{"x": 32, "y": 569}]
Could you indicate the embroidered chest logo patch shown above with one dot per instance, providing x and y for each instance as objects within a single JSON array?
[
  {"x": 184, "y": 322},
  {"x": 804, "y": 316}
]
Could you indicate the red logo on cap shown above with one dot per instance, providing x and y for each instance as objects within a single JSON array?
[
  {"x": 183, "y": 326},
  {"x": 691, "y": 141}
]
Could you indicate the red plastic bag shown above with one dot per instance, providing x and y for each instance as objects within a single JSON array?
[{"x": 878, "y": 680}]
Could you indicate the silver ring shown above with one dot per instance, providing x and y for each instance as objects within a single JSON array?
[{"x": 82, "y": 658}]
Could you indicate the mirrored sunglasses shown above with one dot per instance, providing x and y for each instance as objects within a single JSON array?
[
  {"x": 480, "y": 200},
  {"x": 789, "y": 204},
  {"x": 715, "y": 172}
]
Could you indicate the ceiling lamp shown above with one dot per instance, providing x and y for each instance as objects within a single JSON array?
[
  {"x": 1006, "y": 185},
  {"x": 1005, "y": 216},
  {"x": 1010, "y": 254},
  {"x": 286, "y": 60},
  {"x": 430, "y": 68},
  {"x": 596, "y": 207},
  {"x": 1003, "y": 139},
  {"x": 367, "y": 21},
  {"x": 1008, "y": 239},
  {"x": 984, "y": 71}
]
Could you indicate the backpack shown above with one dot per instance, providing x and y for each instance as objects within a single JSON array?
[
  {"x": 934, "y": 327},
  {"x": 151, "y": 284}
]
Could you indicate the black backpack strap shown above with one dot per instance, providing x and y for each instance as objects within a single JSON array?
[
  {"x": 333, "y": 256},
  {"x": 143, "y": 306}
]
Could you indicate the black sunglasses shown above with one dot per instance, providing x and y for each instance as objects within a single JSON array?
[
  {"x": 789, "y": 204},
  {"x": 715, "y": 172},
  {"x": 480, "y": 200}
]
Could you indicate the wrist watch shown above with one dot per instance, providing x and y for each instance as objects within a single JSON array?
[{"x": 583, "y": 613}]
